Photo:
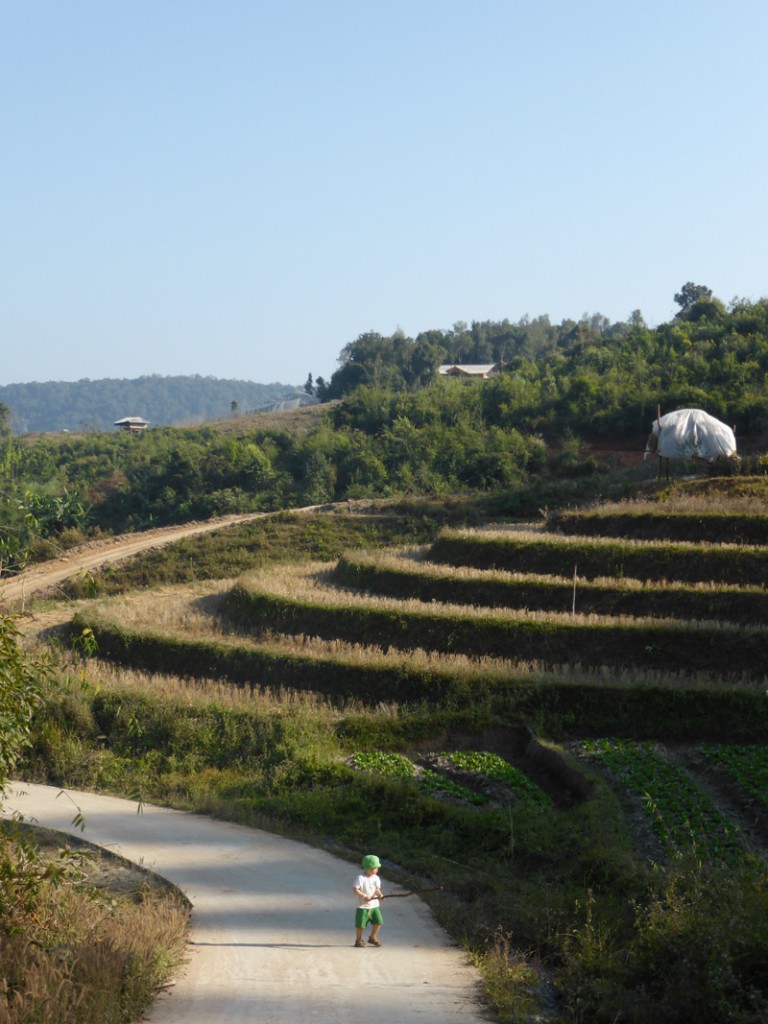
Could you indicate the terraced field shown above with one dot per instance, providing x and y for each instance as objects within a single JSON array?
[
  {"x": 584, "y": 664},
  {"x": 478, "y": 614}
]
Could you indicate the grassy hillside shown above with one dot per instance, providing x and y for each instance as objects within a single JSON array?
[{"x": 595, "y": 811}]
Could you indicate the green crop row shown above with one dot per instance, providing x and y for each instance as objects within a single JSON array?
[
  {"x": 499, "y": 589},
  {"x": 435, "y": 783},
  {"x": 480, "y": 763},
  {"x": 496, "y": 768},
  {"x": 397, "y": 766},
  {"x": 598, "y": 557},
  {"x": 381, "y": 763},
  {"x": 748, "y": 766},
  {"x": 682, "y": 816}
]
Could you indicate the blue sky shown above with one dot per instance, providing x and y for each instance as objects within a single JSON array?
[{"x": 238, "y": 189}]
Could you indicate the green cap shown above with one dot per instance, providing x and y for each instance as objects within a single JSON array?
[{"x": 371, "y": 861}]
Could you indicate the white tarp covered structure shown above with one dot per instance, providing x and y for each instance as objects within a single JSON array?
[{"x": 691, "y": 434}]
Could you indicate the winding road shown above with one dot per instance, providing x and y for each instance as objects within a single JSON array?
[{"x": 272, "y": 923}]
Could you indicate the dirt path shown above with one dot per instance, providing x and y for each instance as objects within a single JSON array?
[
  {"x": 46, "y": 575},
  {"x": 272, "y": 924}
]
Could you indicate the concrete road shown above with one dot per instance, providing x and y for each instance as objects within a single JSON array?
[{"x": 272, "y": 924}]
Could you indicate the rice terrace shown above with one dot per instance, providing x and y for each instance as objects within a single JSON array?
[{"x": 559, "y": 728}]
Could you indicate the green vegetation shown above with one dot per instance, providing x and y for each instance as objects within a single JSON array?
[
  {"x": 21, "y": 682},
  {"x": 748, "y": 766},
  {"x": 587, "y": 377},
  {"x": 389, "y": 765},
  {"x": 683, "y": 818},
  {"x": 69, "y": 953},
  {"x": 592, "y": 376},
  {"x": 491, "y": 766},
  {"x": 503, "y": 712},
  {"x": 521, "y": 437}
]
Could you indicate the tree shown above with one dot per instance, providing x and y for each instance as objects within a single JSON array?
[
  {"x": 426, "y": 356},
  {"x": 309, "y": 385},
  {"x": 318, "y": 479},
  {"x": 690, "y": 294}
]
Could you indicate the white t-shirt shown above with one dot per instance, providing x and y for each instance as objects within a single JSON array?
[{"x": 368, "y": 884}]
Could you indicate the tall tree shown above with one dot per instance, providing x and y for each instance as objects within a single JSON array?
[{"x": 690, "y": 294}]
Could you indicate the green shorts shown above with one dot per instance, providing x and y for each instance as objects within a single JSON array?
[{"x": 363, "y": 917}]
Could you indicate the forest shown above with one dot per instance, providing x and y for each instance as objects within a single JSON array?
[
  {"x": 592, "y": 376},
  {"x": 389, "y": 425},
  {"x": 95, "y": 404}
]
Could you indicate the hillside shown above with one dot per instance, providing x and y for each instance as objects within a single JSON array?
[
  {"x": 96, "y": 404},
  {"x": 561, "y": 728}
]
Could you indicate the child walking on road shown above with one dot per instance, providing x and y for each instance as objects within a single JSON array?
[{"x": 367, "y": 890}]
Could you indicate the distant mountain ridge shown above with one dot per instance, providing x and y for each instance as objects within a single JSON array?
[{"x": 86, "y": 404}]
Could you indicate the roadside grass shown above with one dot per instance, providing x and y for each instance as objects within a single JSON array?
[{"x": 73, "y": 954}]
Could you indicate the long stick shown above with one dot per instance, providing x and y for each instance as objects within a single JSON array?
[{"x": 416, "y": 892}]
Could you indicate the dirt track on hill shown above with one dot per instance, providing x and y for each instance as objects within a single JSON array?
[{"x": 38, "y": 579}]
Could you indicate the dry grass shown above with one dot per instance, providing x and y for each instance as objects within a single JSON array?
[
  {"x": 410, "y": 560},
  {"x": 564, "y": 540},
  {"x": 69, "y": 955},
  {"x": 701, "y": 503},
  {"x": 311, "y": 583},
  {"x": 293, "y": 421},
  {"x": 192, "y": 613}
]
